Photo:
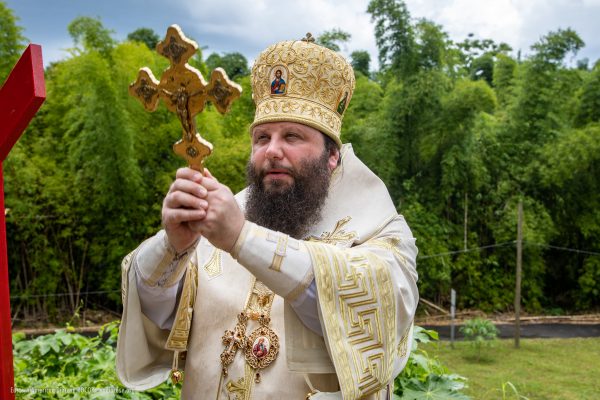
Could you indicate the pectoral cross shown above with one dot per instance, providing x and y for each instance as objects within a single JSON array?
[
  {"x": 185, "y": 92},
  {"x": 21, "y": 96},
  {"x": 234, "y": 340}
]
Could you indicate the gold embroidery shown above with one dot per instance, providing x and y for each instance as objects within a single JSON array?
[
  {"x": 358, "y": 311},
  {"x": 391, "y": 244},
  {"x": 125, "y": 265},
  {"x": 178, "y": 337},
  {"x": 213, "y": 266},
  {"x": 279, "y": 253},
  {"x": 167, "y": 259},
  {"x": 242, "y": 388},
  {"x": 338, "y": 236},
  {"x": 259, "y": 301},
  {"x": 403, "y": 345},
  {"x": 240, "y": 240}
]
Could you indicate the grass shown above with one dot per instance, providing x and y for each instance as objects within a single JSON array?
[{"x": 542, "y": 369}]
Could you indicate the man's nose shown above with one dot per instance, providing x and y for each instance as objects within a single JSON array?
[{"x": 275, "y": 150}]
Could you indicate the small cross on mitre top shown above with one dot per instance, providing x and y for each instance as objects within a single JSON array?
[
  {"x": 185, "y": 92},
  {"x": 309, "y": 38}
]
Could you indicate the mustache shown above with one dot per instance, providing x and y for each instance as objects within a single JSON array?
[{"x": 263, "y": 171}]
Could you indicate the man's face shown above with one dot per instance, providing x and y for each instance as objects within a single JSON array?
[
  {"x": 288, "y": 176},
  {"x": 280, "y": 148},
  {"x": 278, "y": 74}
]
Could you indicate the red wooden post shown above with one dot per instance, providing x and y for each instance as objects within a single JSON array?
[{"x": 21, "y": 96}]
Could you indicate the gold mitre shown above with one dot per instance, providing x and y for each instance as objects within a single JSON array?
[{"x": 300, "y": 81}]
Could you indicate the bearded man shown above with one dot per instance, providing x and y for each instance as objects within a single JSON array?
[{"x": 305, "y": 282}]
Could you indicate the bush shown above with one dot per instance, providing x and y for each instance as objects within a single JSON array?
[
  {"x": 479, "y": 332},
  {"x": 69, "y": 365},
  {"x": 424, "y": 377}
]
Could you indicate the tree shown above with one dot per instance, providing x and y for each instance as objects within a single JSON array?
[
  {"x": 555, "y": 46},
  {"x": 473, "y": 48},
  {"x": 479, "y": 55},
  {"x": 235, "y": 64},
  {"x": 361, "y": 60},
  {"x": 91, "y": 34},
  {"x": 146, "y": 36},
  {"x": 333, "y": 38},
  {"x": 589, "y": 103},
  {"x": 394, "y": 35},
  {"x": 430, "y": 45},
  {"x": 11, "y": 41},
  {"x": 504, "y": 77},
  {"x": 483, "y": 68}
]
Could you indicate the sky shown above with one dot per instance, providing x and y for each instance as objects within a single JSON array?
[{"x": 249, "y": 26}]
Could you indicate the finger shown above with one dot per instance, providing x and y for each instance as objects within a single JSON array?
[
  {"x": 181, "y": 215},
  {"x": 210, "y": 182},
  {"x": 187, "y": 186},
  {"x": 181, "y": 199},
  {"x": 189, "y": 174},
  {"x": 208, "y": 173}
]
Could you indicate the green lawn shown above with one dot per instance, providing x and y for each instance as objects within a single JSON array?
[{"x": 553, "y": 369}]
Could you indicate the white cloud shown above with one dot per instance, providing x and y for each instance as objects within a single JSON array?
[
  {"x": 260, "y": 23},
  {"x": 520, "y": 23},
  {"x": 250, "y": 26}
]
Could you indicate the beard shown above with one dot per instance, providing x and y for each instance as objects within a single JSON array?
[{"x": 289, "y": 208}]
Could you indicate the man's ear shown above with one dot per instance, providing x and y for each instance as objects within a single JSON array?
[{"x": 334, "y": 158}]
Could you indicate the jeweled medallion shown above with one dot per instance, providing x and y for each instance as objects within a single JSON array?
[{"x": 262, "y": 346}]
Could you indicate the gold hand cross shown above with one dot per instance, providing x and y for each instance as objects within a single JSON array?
[{"x": 185, "y": 92}]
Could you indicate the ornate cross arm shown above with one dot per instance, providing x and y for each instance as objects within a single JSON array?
[{"x": 185, "y": 92}]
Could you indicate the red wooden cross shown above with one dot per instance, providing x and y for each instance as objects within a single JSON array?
[{"x": 21, "y": 96}]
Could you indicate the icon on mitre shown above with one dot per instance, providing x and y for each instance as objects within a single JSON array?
[{"x": 279, "y": 79}]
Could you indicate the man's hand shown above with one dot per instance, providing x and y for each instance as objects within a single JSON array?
[
  {"x": 184, "y": 204},
  {"x": 224, "y": 219}
]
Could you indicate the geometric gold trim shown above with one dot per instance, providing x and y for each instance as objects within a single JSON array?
[
  {"x": 358, "y": 308},
  {"x": 178, "y": 337}
]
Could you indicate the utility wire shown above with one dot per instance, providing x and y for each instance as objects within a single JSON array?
[
  {"x": 592, "y": 253},
  {"x": 489, "y": 246},
  {"x": 27, "y": 296},
  {"x": 449, "y": 253}
]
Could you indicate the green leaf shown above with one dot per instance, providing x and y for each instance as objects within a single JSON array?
[{"x": 434, "y": 388}]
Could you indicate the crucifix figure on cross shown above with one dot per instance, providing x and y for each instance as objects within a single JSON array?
[{"x": 185, "y": 92}]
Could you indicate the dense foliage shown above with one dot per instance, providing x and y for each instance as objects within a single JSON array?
[
  {"x": 69, "y": 365},
  {"x": 424, "y": 376},
  {"x": 66, "y": 364},
  {"x": 459, "y": 131}
]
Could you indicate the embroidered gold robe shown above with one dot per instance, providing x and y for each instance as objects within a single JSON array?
[{"x": 362, "y": 258}]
